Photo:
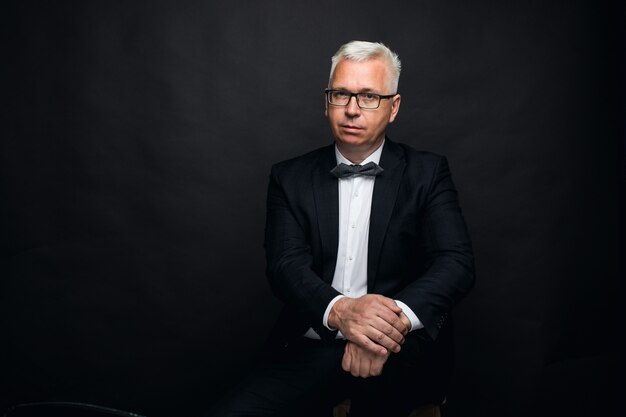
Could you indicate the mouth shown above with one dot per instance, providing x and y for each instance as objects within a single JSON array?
[{"x": 351, "y": 128}]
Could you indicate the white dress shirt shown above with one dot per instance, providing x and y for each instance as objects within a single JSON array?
[{"x": 355, "y": 204}]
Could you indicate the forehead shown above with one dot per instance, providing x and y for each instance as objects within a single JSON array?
[{"x": 370, "y": 75}]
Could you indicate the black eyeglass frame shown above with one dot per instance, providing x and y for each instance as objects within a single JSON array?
[{"x": 356, "y": 95}]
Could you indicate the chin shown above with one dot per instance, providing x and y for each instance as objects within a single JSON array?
[
  {"x": 352, "y": 143},
  {"x": 351, "y": 139}
]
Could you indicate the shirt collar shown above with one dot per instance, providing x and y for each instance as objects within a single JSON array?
[{"x": 373, "y": 157}]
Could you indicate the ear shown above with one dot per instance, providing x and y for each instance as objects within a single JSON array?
[
  {"x": 325, "y": 106},
  {"x": 395, "y": 107}
]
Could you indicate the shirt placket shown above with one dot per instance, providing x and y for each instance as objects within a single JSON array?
[{"x": 352, "y": 234}]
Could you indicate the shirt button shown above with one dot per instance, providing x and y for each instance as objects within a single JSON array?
[
  {"x": 348, "y": 290},
  {"x": 349, "y": 258},
  {"x": 354, "y": 226},
  {"x": 356, "y": 193}
]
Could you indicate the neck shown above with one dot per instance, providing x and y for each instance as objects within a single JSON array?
[{"x": 358, "y": 154}]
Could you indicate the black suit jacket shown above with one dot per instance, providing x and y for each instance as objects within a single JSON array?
[{"x": 419, "y": 251}]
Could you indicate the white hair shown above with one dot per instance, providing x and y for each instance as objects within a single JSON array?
[{"x": 360, "y": 51}]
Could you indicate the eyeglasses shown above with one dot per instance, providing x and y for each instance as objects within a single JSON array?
[{"x": 363, "y": 100}]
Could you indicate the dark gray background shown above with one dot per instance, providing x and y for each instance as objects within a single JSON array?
[{"x": 132, "y": 259}]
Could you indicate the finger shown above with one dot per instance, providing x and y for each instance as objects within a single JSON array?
[
  {"x": 407, "y": 323},
  {"x": 364, "y": 367},
  {"x": 393, "y": 333},
  {"x": 391, "y": 318},
  {"x": 352, "y": 351},
  {"x": 355, "y": 366},
  {"x": 366, "y": 343},
  {"x": 376, "y": 367},
  {"x": 383, "y": 340},
  {"x": 378, "y": 364},
  {"x": 391, "y": 304},
  {"x": 346, "y": 361}
]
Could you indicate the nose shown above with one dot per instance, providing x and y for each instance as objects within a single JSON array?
[{"x": 352, "y": 108}]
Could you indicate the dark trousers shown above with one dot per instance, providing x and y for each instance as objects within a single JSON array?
[{"x": 304, "y": 378}]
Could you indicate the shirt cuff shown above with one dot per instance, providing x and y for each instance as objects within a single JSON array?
[
  {"x": 327, "y": 312},
  {"x": 415, "y": 322}
]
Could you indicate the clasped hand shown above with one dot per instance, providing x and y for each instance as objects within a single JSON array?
[{"x": 375, "y": 326}]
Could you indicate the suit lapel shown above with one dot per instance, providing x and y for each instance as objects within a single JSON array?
[
  {"x": 326, "y": 195},
  {"x": 383, "y": 202}
]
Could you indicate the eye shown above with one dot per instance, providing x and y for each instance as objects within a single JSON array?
[
  {"x": 368, "y": 97},
  {"x": 340, "y": 94}
]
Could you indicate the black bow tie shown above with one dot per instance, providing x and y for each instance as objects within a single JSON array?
[{"x": 344, "y": 171}]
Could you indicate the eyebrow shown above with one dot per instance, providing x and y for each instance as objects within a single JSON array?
[{"x": 363, "y": 90}]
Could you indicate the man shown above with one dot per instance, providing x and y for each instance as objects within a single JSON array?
[{"x": 367, "y": 247}]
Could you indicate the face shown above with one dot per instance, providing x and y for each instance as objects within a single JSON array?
[{"x": 359, "y": 130}]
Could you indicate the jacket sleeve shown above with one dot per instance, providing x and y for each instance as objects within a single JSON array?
[
  {"x": 445, "y": 241},
  {"x": 290, "y": 261}
]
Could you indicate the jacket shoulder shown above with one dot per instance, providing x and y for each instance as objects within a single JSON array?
[{"x": 419, "y": 163}]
